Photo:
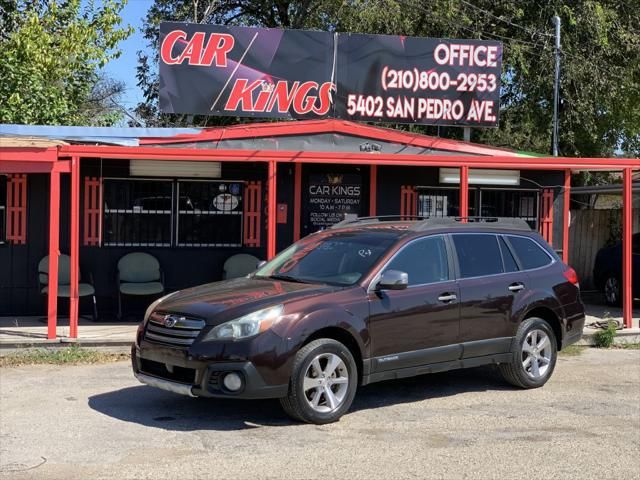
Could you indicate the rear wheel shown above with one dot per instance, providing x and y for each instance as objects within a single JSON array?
[
  {"x": 323, "y": 383},
  {"x": 612, "y": 290},
  {"x": 534, "y": 355}
]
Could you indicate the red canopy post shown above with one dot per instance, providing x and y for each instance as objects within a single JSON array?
[
  {"x": 627, "y": 226},
  {"x": 74, "y": 247},
  {"x": 54, "y": 252},
  {"x": 297, "y": 201},
  {"x": 566, "y": 200},
  {"x": 464, "y": 191},
  {"x": 271, "y": 210},
  {"x": 373, "y": 190}
]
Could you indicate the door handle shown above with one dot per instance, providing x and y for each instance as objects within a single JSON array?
[
  {"x": 516, "y": 287},
  {"x": 447, "y": 297}
]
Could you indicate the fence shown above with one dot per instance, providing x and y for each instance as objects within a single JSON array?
[{"x": 589, "y": 231}]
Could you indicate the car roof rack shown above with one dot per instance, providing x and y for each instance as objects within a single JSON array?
[
  {"x": 508, "y": 223},
  {"x": 422, "y": 222},
  {"x": 353, "y": 220}
]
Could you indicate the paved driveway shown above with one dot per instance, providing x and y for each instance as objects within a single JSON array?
[{"x": 97, "y": 422}]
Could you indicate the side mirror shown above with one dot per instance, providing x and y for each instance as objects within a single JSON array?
[
  {"x": 393, "y": 280},
  {"x": 261, "y": 264}
]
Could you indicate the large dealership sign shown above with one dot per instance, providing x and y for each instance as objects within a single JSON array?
[{"x": 242, "y": 71}]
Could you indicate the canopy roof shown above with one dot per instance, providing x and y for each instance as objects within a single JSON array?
[{"x": 305, "y": 135}]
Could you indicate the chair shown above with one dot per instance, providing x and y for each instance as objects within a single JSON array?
[
  {"x": 239, "y": 265},
  {"x": 139, "y": 274},
  {"x": 64, "y": 281}
]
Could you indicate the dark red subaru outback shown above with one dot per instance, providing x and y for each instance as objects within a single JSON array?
[{"x": 367, "y": 300}]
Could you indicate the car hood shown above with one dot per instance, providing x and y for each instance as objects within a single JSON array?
[{"x": 223, "y": 301}]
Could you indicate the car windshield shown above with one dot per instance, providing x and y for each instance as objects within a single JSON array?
[{"x": 334, "y": 258}]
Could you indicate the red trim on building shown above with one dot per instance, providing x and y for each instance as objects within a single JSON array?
[
  {"x": 252, "y": 214},
  {"x": 408, "y": 201},
  {"x": 546, "y": 215},
  {"x": 92, "y": 211},
  {"x": 17, "y": 209}
]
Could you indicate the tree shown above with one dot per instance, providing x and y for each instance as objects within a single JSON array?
[
  {"x": 600, "y": 82},
  {"x": 52, "y": 55}
]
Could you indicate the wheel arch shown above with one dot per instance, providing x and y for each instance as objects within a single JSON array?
[
  {"x": 343, "y": 336},
  {"x": 549, "y": 316}
]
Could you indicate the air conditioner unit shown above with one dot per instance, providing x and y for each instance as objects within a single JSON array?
[
  {"x": 481, "y": 176},
  {"x": 174, "y": 169}
]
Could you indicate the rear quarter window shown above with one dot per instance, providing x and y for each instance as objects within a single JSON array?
[{"x": 530, "y": 254}]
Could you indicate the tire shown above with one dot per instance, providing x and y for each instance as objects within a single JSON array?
[
  {"x": 330, "y": 364},
  {"x": 521, "y": 371},
  {"x": 611, "y": 290}
]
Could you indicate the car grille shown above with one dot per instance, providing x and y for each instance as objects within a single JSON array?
[{"x": 182, "y": 333}]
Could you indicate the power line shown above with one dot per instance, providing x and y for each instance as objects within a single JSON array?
[
  {"x": 479, "y": 33},
  {"x": 509, "y": 22}
]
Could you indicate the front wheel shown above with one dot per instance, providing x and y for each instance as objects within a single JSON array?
[
  {"x": 323, "y": 383},
  {"x": 534, "y": 355}
]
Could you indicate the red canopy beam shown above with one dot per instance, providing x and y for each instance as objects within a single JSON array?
[
  {"x": 478, "y": 161},
  {"x": 75, "y": 247},
  {"x": 627, "y": 226},
  {"x": 54, "y": 252}
]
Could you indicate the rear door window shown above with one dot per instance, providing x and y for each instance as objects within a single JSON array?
[
  {"x": 530, "y": 254},
  {"x": 478, "y": 254}
]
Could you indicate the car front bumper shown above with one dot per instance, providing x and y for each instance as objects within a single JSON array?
[{"x": 200, "y": 378}]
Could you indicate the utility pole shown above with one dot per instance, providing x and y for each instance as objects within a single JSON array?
[{"x": 556, "y": 88}]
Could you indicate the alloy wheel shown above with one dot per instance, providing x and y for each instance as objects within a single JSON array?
[
  {"x": 326, "y": 382},
  {"x": 611, "y": 290},
  {"x": 537, "y": 354}
]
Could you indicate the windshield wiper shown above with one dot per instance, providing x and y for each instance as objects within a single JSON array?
[{"x": 288, "y": 278}]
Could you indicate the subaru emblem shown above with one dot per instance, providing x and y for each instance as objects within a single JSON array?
[{"x": 170, "y": 321}]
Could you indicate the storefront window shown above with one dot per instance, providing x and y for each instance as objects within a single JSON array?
[
  {"x": 209, "y": 214},
  {"x": 137, "y": 212},
  {"x": 164, "y": 213}
]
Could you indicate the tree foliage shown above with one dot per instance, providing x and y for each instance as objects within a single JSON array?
[
  {"x": 600, "y": 81},
  {"x": 52, "y": 53}
]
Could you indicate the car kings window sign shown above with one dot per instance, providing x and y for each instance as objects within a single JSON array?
[
  {"x": 243, "y": 71},
  {"x": 330, "y": 197}
]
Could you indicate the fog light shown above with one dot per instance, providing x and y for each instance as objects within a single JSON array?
[{"x": 232, "y": 382}]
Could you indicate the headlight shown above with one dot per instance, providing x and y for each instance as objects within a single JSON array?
[
  {"x": 152, "y": 307},
  {"x": 248, "y": 325}
]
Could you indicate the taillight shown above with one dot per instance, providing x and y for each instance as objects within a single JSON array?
[{"x": 571, "y": 276}]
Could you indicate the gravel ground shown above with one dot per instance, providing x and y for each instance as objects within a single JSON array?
[{"x": 96, "y": 421}]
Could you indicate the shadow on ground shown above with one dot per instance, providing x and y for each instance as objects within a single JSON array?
[{"x": 156, "y": 408}]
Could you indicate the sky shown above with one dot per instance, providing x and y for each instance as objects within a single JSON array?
[{"x": 124, "y": 67}]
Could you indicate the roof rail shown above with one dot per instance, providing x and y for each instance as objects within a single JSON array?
[
  {"x": 354, "y": 220},
  {"x": 494, "y": 222}
]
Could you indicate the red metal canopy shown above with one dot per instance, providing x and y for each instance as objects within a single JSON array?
[{"x": 67, "y": 158}]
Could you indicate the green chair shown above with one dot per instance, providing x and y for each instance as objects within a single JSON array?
[
  {"x": 64, "y": 281},
  {"x": 239, "y": 265},
  {"x": 139, "y": 274}
]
